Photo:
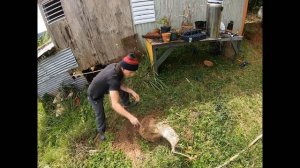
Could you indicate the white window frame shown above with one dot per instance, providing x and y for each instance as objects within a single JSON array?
[
  {"x": 53, "y": 20},
  {"x": 143, "y": 11}
]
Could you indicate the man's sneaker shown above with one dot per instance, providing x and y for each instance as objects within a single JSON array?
[
  {"x": 102, "y": 137},
  {"x": 99, "y": 138}
]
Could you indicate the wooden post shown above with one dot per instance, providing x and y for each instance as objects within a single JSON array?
[
  {"x": 244, "y": 17},
  {"x": 228, "y": 50},
  {"x": 150, "y": 51}
]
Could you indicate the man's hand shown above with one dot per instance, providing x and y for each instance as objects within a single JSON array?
[
  {"x": 114, "y": 96},
  {"x": 132, "y": 92},
  {"x": 134, "y": 121},
  {"x": 135, "y": 96}
]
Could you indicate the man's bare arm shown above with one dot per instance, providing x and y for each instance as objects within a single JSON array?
[
  {"x": 132, "y": 92},
  {"x": 114, "y": 96}
]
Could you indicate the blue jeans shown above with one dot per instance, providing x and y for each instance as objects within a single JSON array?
[{"x": 99, "y": 110}]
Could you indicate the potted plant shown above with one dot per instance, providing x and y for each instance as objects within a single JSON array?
[
  {"x": 166, "y": 37},
  {"x": 165, "y": 22},
  {"x": 174, "y": 35},
  {"x": 187, "y": 24}
]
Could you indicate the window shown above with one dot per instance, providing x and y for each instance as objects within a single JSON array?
[
  {"x": 53, "y": 10},
  {"x": 143, "y": 11}
]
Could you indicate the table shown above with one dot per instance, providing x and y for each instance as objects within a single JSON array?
[{"x": 156, "y": 60}]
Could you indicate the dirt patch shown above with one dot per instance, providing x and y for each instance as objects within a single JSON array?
[
  {"x": 149, "y": 130},
  {"x": 127, "y": 137},
  {"x": 126, "y": 140}
]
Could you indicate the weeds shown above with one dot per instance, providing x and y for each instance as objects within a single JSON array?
[{"x": 215, "y": 111}]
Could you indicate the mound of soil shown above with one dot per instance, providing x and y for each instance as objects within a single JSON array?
[
  {"x": 127, "y": 138},
  {"x": 127, "y": 141},
  {"x": 148, "y": 130}
]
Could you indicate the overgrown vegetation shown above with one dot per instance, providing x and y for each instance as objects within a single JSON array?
[
  {"x": 44, "y": 39},
  {"x": 216, "y": 112},
  {"x": 254, "y": 5}
]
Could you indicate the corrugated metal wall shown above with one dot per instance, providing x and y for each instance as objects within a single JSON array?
[
  {"x": 52, "y": 72},
  {"x": 233, "y": 10}
]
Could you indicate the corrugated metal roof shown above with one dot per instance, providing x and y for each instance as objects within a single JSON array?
[
  {"x": 56, "y": 64},
  {"x": 52, "y": 72},
  {"x": 52, "y": 85}
]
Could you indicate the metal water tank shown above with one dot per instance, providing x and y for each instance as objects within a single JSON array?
[{"x": 213, "y": 19}]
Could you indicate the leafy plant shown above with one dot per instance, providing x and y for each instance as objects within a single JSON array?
[
  {"x": 47, "y": 100},
  {"x": 66, "y": 89},
  {"x": 150, "y": 77},
  {"x": 187, "y": 14},
  {"x": 43, "y": 39},
  {"x": 164, "y": 21}
]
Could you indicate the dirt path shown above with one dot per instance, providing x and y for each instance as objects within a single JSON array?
[
  {"x": 127, "y": 138},
  {"x": 127, "y": 141}
]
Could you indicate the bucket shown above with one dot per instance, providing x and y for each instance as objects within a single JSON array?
[
  {"x": 200, "y": 25},
  {"x": 213, "y": 19},
  {"x": 230, "y": 26}
]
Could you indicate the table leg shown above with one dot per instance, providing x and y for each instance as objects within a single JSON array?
[
  {"x": 164, "y": 56},
  {"x": 155, "y": 53},
  {"x": 150, "y": 52},
  {"x": 236, "y": 47}
]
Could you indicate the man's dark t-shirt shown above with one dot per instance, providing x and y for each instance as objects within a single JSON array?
[{"x": 108, "y": 79}]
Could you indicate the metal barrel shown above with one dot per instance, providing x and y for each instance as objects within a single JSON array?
[{"x": 213, "y": 19}]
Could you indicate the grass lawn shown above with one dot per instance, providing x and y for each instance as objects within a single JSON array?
[{"x": 215, "y": 111}]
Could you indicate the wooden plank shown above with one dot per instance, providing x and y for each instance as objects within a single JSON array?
[
  {"x": 130, "y": 43},
  {"x": 164, "y": 56},
  {"x": 149, "y": 50},
  {"x": 182, "y": 42},
  {"x": 57, "y": 29},
  {"x": 244, "y": 16}
]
